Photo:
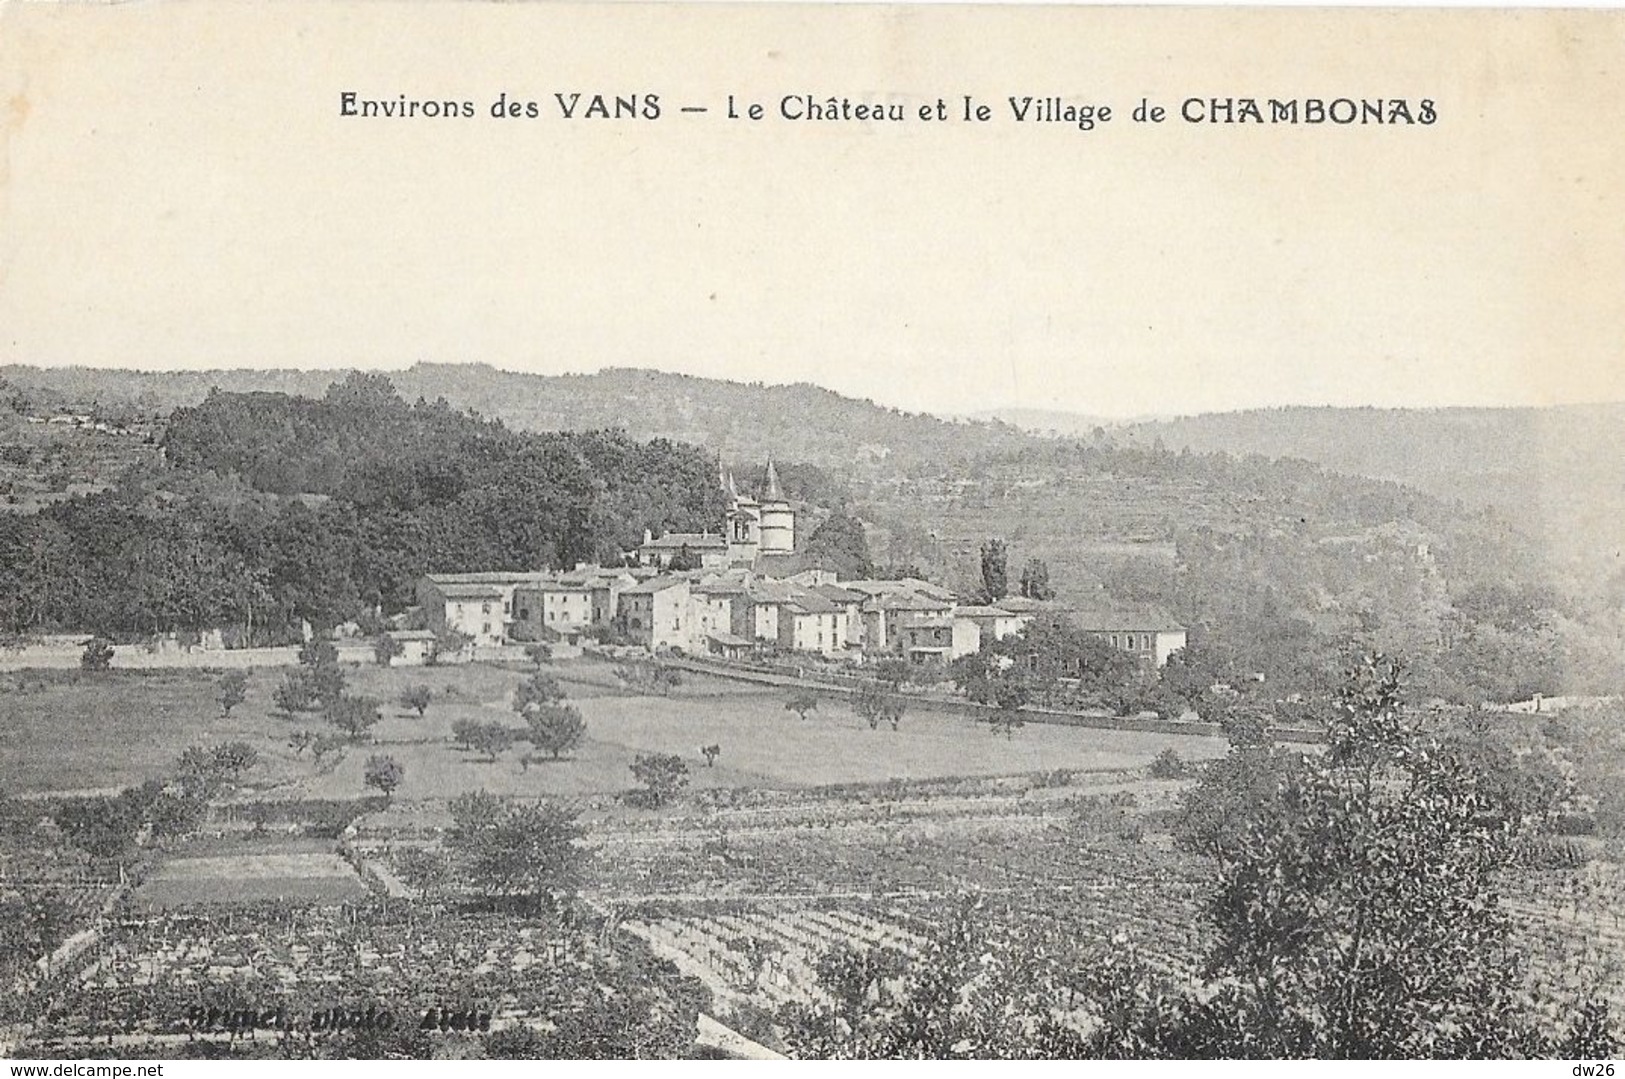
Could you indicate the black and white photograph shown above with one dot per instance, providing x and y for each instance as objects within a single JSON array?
[{"x": 561, "y": 531}]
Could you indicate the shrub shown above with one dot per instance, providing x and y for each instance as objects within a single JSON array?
[
  {"x": 801, "y": 703},
  {"x": 383, "y": 773},
  {"x": 233, "y": 690},
  {"x": 417, "y": 697},
  {"x": 1168, "y": 765},
  {"x": 296, "y": 693},
  {"x": 662, "y": 776},
  {"x": 386, "y": 649},
  {"x": 98, "y": 654}
]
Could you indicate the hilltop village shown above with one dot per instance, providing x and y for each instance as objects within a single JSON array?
[{"x": 743, "y": 590}]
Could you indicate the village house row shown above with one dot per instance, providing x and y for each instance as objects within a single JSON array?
[
  {"x": 748, "y": 591},
  {"x": 732, "y": 613}
]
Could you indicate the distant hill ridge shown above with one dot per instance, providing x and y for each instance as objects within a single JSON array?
[
  {"x": 742, "y": 421},
  {"x": 1559, "y": 470}
]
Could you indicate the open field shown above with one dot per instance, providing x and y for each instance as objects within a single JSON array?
[
  {"x": 763, "y": 745},
  {"x": 63, "y": 731},
  {"x": 77, "y": 731},
  {"x": 72, "y": 730}
]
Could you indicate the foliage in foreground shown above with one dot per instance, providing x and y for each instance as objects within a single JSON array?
[
  {"x": 524, "y": 850},
  {"x": 1355, "y": 915}
]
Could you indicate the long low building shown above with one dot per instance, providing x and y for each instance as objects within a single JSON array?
[{"x": 735, "y": 610}]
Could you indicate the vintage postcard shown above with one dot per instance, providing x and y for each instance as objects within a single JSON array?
[{"x": 810, "y": 531}]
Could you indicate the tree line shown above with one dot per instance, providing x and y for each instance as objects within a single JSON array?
[{"x": 271, "y": 510}]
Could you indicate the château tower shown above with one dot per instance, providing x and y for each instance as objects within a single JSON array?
[{"x": 778, "y": 520}]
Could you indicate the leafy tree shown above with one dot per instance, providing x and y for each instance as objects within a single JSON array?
[
  {"x": 1006, "y": 721},
  {"x": 98, "y": 655},
  {"x": 203, "y": 772},
  {"x": 893, "y": 709},
  {"x": 801, "y": 703},
  {"x": 178, "y": 813},
  {"x": 327, "y": 682},
  {"x": 384, "y": 773},
  {"x": 539, "y": 653},
  {"x": 101, "y": 827},
  {"x": 995, "y": 570},
  {"x": 295, "y": 693},
  {"x": 645, "y": 676},
  {"x": 526, "y": 850},
  {"x": 893, "y": 672},
  {"x": 973, "y": 675},
  {"x": 1035, "y": 580},
  {"x": 869, "y": 702},
  {"x": 555, "y": 728},
  {"x": 417, "y": 697},
  {"x": 462, "y": 732},
  {"x": 875, "y": 705},
  {"x": 386, "y": 649},
  {"x": 662, "y": 776},
  {"x": 540, "y": 688},
  {"x": 318, "y": 651},
  {"x": 1062, "y": 664},
  {"x": 1356, "y": 910},
  {"x": 492, "y": 739},
  {"x": 354, "y": 716},
  {"x": 840, "y": 544},
  {"x": 232, "y": 759},
  {"x": 232, "y": 690},
  {"x": 710, "y": 753},
  {"x": 684, "y": 560},
  {"x": 319, "y": 663},
  {"x": 448, "y": 645}
]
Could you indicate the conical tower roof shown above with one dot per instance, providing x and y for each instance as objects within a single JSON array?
[{"x": 774, "y": 492}]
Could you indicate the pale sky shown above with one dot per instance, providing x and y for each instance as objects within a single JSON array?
[{"x": 178, "y": 189}]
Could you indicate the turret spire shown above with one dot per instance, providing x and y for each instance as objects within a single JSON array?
[{"x": 773, "y": 491}]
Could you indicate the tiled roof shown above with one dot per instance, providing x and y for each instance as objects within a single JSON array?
[
  {"x": 807, "y": 603},
  {"x": 500, "y": 577},
  {"x": 469, "y": 590},
  {"x": 653, "y": 585},
  {"x": 1108, "y": 621},
  {"x": 836, "y": 594},
  {"x": 908, "y": 601},
  {"x": 721, "y": 588},
  {"x": 984, "y": 611},
  {"x": 676, "y": 541}
]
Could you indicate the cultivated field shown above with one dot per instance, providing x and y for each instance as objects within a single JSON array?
[{"x": 256, "y": 873}]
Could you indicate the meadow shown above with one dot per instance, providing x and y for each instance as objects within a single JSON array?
[
  {"x": 763, "y": 745},
  {"x": 81, "y": 731}
]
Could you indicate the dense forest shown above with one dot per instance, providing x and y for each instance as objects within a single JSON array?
[
  {"x": 1279, "y": 568},
  {"x": 275, "y": 509},
  {"x": 272, "y": 507}
]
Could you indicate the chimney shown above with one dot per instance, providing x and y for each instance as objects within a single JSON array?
[{"x": 648, "y": 537}]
